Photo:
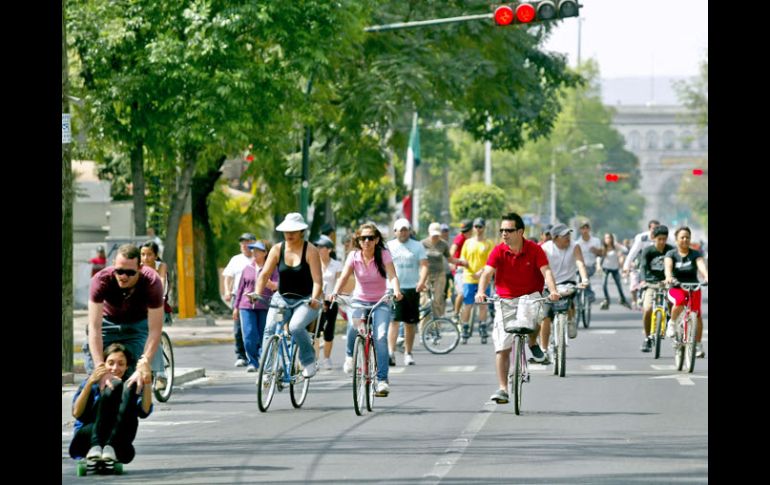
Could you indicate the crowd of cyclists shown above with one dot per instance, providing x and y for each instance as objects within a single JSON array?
[{"x": 126, "y": 304}]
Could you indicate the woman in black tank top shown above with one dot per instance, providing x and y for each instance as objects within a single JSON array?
[{"x": 299, "y": 270}]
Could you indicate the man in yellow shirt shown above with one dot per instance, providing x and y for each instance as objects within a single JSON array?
[{"x": 475, "y": 252}]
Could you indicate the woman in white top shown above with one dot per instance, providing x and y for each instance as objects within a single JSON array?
[
  {"x": 330, "y": 272},
  {"x": 612, "y": 260}
]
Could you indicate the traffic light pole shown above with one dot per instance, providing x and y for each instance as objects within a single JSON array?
[{"x": 424, "y": 23}]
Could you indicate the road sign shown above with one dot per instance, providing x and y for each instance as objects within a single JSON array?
[{"x": 66, "y": 131}]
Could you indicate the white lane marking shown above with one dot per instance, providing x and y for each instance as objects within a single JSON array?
[
  {"x": 323, "y": 385},
  {"x": 663, "y": 367},
  {"x": 601, "y": 331},
  {"x": 600, "y": 367},
  {"x": 537, "y": 367},
  {"x": 444, "y": 464},
  {"x": 175, "y": 423},
  {"x": 683, "y": 380},
  {"x": 459, "y": 368},
  {"x": 396, "y": 370}
]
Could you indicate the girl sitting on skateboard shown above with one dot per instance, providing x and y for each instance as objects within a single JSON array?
[{"x": 106, "y": 419}]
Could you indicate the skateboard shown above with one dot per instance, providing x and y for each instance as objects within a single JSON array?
[{"x": 98, "y": 467}]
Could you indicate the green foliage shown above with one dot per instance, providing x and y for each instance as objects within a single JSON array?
[{"x": 478, "y": 200}]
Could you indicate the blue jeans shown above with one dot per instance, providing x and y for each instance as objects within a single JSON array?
[
  {"x": 299, "y": 318},
  {"x": 616, "y": 276},
  {"x": 132, "y": 335},
  {"x": 590, "y": 270},
  {"x": 252, "y": 327},
  {"x": 380, "y": 325}
]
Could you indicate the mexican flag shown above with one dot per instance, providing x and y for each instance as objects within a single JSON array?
[{"x": 412, "y": 154}]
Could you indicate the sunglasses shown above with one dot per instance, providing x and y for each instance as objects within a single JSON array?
[
  {"x": 506, "y": 230},
  {"x": 127, "y": 272},
  {"x": 478, "y": 226},
  {"x": 367, "y": 238}
]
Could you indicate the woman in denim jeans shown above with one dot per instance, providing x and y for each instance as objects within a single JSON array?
[{"x": 371, "y": 263}]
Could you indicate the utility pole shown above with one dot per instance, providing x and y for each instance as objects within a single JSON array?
[
  {"x": 67, "y": 337},
  {"x": 488, "y": 156}
]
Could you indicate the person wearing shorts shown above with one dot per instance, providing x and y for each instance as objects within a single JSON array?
[
  {"x": 520, "y": 267},
  {"x": 475, "y": 252},
  {"x": 411, "y": 263}
]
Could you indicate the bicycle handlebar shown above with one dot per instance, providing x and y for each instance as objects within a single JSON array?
[
  {"x": 344, "y": 301},
  {"x": 492, "y": 299},
  {"x": 303, "y": 299}
]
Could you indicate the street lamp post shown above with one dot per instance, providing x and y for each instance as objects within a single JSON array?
[{"x": 580, "y": 149}]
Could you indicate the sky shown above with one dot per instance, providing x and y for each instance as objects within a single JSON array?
[{"x": 632, "y": 38}]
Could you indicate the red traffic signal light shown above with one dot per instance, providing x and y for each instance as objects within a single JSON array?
[
  {"x": 503, "y": 15},
  {"x": 697, "y": 172},
  {"x": 611, "y": 177},
  {"x": 525, "y": 13},
  {"x": 535, "y": 11}
]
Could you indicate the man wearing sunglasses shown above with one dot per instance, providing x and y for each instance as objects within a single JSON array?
[
  {"x": 126, "y": 306},
  {"x": 520, "y": 267}
]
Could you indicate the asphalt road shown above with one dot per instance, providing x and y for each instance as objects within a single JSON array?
[{"x": 619, "y": 416}]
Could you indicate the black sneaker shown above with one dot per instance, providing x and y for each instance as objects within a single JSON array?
[
  {"x": 466, "y": 331},
  {"x": 500, "y": 397},
  {"x": 391, "y": 359},
  {"x": 647, "y": 345},
  {"x": 537, "y": 354}
]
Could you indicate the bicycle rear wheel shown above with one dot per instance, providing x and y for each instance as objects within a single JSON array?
[
  {"x": 440, "y": 335},
  {"x": 657, "y": 321},
  {"x": 561, "y": 343},
  {"x": 268, "y": 373},
  {"x": 359, "y": 376},
  {"x": 167, "y": 352},
  {"x": 689, "y": 348},
  {"x": 371, "y": 373},
  {"x": 298, "y": 385},
  {"x": 516, "y": 380}
]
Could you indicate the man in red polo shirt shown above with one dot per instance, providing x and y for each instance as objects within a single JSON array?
[{"x": 520, "y": 267}]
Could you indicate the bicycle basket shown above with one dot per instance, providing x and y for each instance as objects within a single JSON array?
[
  {"x": 561, "y": 305},
  {"x": 519, "y": 315}
]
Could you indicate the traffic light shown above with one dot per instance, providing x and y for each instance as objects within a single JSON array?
[
  {"x": 536, "y": 11},
  {"x": 697, "y": 172},
  {"x": 611, "y": 177}
]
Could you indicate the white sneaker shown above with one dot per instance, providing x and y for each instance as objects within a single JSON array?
[
  {"x": 670, "y": 330},
  {"x": 310, "y": 370},
  {"x": 408, "y": 359},
  {"x": 328, "y": 364},
  {"x": 95, "y": 453},
  {"x": 240, "y": 363},
  {"x": 572, "y": 328},
  {"x": 108, "y": 454},
  {"x": 251, "y": 368},
  {"x": 347, "y": 367},
  {"x": 383, "y": 389}
]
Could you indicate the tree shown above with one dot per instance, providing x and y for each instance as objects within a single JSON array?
[{"x": 478, "y": 200}]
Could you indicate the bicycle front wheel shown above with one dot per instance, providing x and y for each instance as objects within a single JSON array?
[
  {"x": 440, "y": 335},
  {"x": 371, "y": 373},
  {"x": 587, "y": 313},
  {"x": 298, "y": 385},
  {"x": 657, "y": 331},
  {"x": 359, "y": 376},
  {"x": 167, "y": 352},
  {"x": 268, "y": 373},
  {"x": 516, "y": 380},
  {"x": 689, "y": 349},
  {"x": 561, "y": 343}
]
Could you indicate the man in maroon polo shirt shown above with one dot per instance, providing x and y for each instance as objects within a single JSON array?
[{"x": 520, "y": 267}]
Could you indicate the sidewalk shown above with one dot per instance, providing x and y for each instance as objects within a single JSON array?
[{"x": 183, "y": 333}]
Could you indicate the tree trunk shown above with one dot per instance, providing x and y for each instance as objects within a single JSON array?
[
  {"x": 137, "y": 179},
  {"x": 189, "y": 159},
  {"x": 206, "y": 274},
  {"x": 67, "y": 337}
]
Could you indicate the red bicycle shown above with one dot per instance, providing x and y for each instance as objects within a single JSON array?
[{"x": 685, "y": 329}]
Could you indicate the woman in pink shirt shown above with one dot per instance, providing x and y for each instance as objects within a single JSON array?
[{"x": 371, "y": 262}]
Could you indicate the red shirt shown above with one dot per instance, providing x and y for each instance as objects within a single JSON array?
[
  {"x": 518, "y": 274},
  {"x": 459, "y": 240}
]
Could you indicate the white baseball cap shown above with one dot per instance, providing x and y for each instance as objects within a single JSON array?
[
  {"x": 400, "y": 224},
  {"x": 434, "y": 229}
]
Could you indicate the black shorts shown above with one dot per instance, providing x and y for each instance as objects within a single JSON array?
[{"x": 408, "y": 309}]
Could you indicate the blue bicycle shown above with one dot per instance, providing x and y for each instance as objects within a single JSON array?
[{"x": 280, "y": 366}]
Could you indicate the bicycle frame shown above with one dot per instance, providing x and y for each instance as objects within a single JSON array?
[
  {"x": 657, "y": 332},
  {"x": 686, "y": 328}
]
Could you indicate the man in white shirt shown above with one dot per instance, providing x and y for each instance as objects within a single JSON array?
[
  {"x": 232, "y": 275},
  {"x": 641, "y": 241},
  {"x": 591, "y": 248}
]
